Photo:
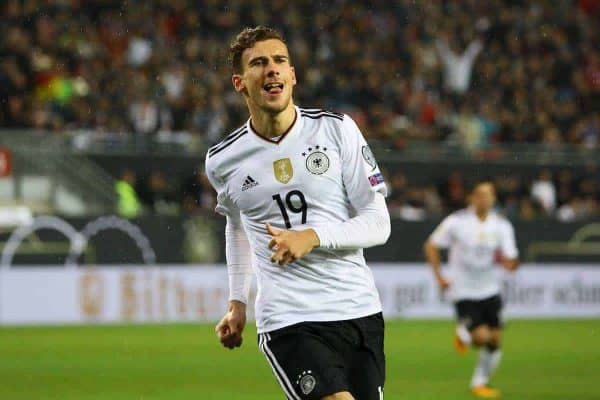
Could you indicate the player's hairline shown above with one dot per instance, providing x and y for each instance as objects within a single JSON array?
[
  {"x": 482, "y": 181},
  {"x": 247, "y": 38}
]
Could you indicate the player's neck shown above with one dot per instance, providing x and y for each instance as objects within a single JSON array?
[
  {"x": 272, "y": 125},
  {"x": 482, "y": 214}
]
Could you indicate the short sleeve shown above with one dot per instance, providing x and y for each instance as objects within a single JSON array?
[
  {"x": 224, "y": 205},
  {"x": 443, "y": 234},
  {"x": 509, "y": 243},
  {"x": 360, "y": 172}
]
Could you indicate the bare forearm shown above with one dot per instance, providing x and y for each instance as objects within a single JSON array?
[{"x": 432, "y": 255}]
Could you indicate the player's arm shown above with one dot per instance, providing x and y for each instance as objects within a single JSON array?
[
  {"x": 366, "y": 192},
  {"x": 370, "y": 227},
  {"x": 237, "y": 249},
  {"x": 433, "y": 257},
  {"x": 509, "y": 253},
  {"x": 440, "y": 238}
]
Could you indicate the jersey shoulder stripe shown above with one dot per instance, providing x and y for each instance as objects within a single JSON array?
[
  {"x": 232, "y": 134},
  {"x": 319, "y": 113},
  {"x": 319, "y": 110},
  {"x": 227, "y": 142}
]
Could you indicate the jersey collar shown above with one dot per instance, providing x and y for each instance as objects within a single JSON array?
[{"x": 290, "y": 133}]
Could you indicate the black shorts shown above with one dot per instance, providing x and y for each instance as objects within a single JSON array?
[
  {"x": 315, "y": 359},
  {"x": 474, "y": 313}
]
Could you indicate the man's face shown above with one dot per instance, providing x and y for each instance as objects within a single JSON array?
[
  {"x": 483, "y": 197},
  {"x": 267, "y": 79}
]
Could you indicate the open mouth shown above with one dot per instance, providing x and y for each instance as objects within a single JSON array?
[{"x": 273, "y": 88}]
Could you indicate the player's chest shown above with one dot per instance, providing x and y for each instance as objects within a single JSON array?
[
  {"x": 477, "y": 235},
  {"x": 309, "y": 169}
]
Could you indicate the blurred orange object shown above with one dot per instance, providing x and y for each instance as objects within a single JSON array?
[{"x": 5, "y": 162}]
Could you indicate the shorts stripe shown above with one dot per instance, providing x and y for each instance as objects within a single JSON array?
[{"x": 284, "y": 382}]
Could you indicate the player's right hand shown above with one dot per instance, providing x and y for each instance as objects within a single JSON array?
[
  {"x": 229, "y": 330},
  {"x": 443, "y": 283}
]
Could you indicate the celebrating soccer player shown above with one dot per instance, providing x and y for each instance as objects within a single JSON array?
[
  {"x": 479, "y": 239},
  {"x": 303, "y": 195}
]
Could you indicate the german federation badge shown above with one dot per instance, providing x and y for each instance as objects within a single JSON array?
[
  {"x": 306, "y": 381},
  {"x": 283, "y": 170},
  {"x": 317, "y": 162}
]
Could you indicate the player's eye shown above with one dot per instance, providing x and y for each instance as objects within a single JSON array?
[{"x": 258, "y": 63}]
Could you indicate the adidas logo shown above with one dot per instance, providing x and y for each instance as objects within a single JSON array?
[{"x": 249, "y": 183}]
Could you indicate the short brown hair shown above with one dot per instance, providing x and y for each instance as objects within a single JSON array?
[{"x": 246, "y": 39}]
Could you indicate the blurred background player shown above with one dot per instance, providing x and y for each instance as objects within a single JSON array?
[
  {"x": 303, "y": 195},
  {"x": 478, "y": 239}
]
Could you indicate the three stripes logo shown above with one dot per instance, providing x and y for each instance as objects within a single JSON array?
[{"x": 249, "y": 183}]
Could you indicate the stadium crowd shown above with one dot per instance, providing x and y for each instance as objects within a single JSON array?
[
  {"x": 562, "y": 195},
  {"x": 471, "y": 74}
]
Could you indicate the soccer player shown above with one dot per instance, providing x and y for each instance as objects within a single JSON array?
[
  {"x": 303, "y": 195},
  {"x": 478, "y": 239}
]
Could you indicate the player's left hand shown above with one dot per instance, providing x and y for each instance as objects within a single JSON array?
[
  {"x": 510, "y": 265},
  {"x": 507, "y": 263},
  {"x": 291, "y": 245}
]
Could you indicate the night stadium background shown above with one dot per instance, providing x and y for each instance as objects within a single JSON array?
[{"x": 112, "y": 258}]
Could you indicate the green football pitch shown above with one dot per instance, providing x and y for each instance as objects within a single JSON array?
[{"x": 543, "y": 360}]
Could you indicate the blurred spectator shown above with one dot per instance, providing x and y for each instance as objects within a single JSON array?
[
  {"x": 197, "y": 194},
  {"x": 457, "y": 66},
  {"x": 528, "y": 210},
  {"x": 544, "y": 192},
  {"x": 454, "y": 192},
  {"x": 129, "y": 205},
  {"x": 156, "y": 193}
]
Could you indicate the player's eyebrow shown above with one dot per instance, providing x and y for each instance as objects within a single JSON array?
[{"x": 277, "y": 57}]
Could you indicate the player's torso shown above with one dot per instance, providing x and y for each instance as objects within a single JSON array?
[
  {"x": 476, "y": 242},
  {"x": 292, "y": 184},
  {"x": 295, "y": 184},
  {"x": 473, "y": 256}
]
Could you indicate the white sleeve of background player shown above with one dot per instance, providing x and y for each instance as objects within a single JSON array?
[
  {"x": 239, "y": 259},
  {"x": 370, "y": 227},
  {"x": 366, "y": 191},
  {"x": 509, "y": 243},
  {"x": 442, "y": 235}
]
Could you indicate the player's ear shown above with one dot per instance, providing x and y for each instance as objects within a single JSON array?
[
  {"x": 293, "y": 71},
  {"x": 238, "y": 83}
]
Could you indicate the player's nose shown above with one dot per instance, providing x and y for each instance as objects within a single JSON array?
[{"x": 272, "y": 70}]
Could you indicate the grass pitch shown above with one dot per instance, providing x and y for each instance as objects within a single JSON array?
[{"x": 543, "y": 360}]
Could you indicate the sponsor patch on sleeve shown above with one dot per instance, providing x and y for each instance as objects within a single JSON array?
[{"x": 376, "y": 179}]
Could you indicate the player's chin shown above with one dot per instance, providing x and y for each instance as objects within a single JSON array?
[{"x": 276, "y": 105}]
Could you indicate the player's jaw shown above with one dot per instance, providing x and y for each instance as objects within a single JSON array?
[{"x": 274, "y": 95}]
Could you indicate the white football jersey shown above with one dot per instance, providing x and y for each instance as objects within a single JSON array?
[
  {"x": 473, "y": 247},
  {"x": 317, "y": 174}
]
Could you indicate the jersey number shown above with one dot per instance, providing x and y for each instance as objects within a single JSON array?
[{"x": 288, "y": 201}]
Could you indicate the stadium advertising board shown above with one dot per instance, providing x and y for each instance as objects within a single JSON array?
[{"x": 45, "y": 295}]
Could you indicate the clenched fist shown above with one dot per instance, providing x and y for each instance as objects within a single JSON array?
[{"x": 229, "y": 329}]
